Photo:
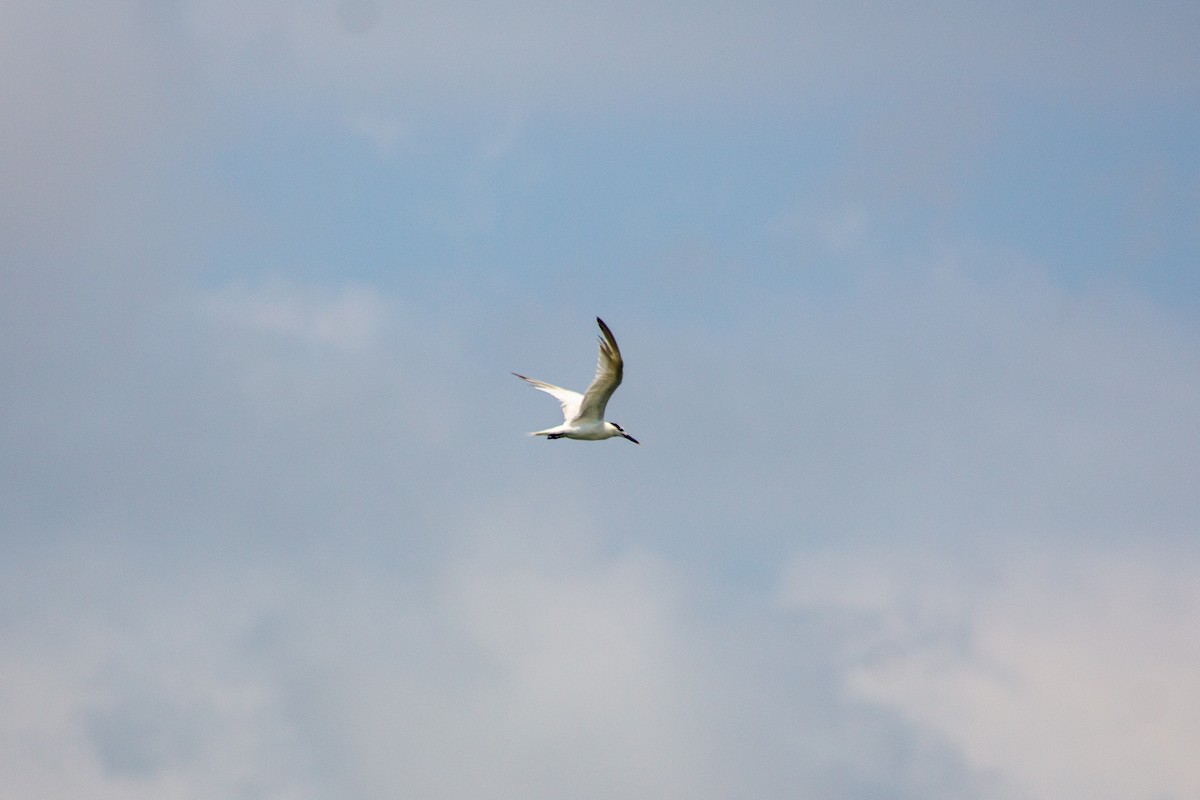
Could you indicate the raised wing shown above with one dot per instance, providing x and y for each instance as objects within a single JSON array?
[
  {"x": 609, "y": 370},
  {"x": 570, "y": 400}
]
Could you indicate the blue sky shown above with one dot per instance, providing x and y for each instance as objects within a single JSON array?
[{"x": 909, "y": 302}]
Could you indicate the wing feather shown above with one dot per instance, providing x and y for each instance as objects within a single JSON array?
[
  {"x": 610, "y": 368},
  {"x": 570, "y": 400}
]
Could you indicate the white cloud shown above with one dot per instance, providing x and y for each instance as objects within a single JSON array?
[
  {"x": 386, "y": 133},
  {"x": 1070, "y": 674},
  {"x": 349, "y": 318},
  {"x": 521, "y": 669}
]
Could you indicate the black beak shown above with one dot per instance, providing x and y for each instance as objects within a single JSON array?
[{"x": 630, "y": 438}]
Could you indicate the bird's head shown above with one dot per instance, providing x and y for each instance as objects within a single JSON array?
[{"x": 621, "y": 432}]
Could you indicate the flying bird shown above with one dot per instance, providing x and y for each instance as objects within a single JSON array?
[{"x": 583, "y": 414}]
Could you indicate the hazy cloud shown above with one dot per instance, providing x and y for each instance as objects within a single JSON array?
[{"x": 675, "y": 52}]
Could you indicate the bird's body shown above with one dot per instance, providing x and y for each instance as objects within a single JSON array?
[{"x": 583, "y": 414}]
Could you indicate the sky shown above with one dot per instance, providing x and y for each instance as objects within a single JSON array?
[{"x": 909, "y": 297}]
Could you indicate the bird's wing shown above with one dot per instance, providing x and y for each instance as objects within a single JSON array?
[
  {"x": 570, "y": 400},
  {"x": 609, "y": 369}
]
